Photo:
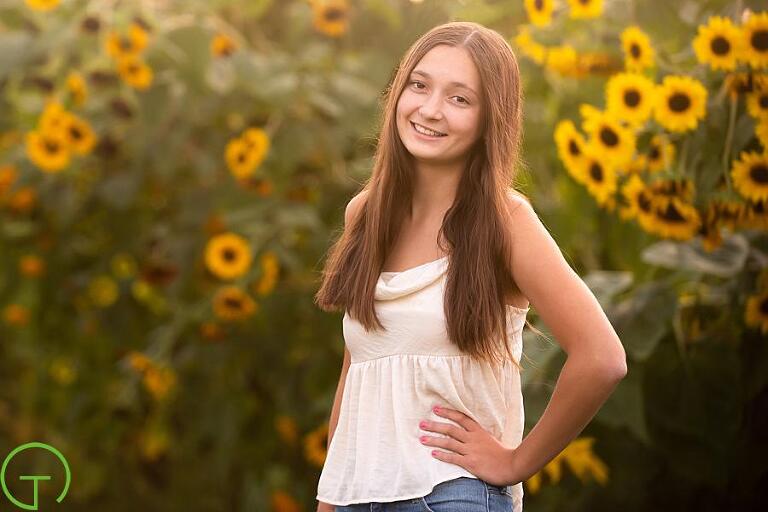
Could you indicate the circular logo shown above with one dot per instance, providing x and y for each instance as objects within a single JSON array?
[{"x": 34, "y": 478}]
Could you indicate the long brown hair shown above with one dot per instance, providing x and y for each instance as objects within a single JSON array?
[{"x": 475, "y": 228}]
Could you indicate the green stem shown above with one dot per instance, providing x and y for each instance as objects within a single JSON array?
[{"x": 729, "y": 141}]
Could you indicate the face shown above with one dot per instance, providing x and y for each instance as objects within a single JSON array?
[{"x": 441, "y": 94}]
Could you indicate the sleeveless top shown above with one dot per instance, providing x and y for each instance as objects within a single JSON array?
[{"x": 394, "y": 379}]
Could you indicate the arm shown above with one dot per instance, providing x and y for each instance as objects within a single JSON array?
[
  {"x": 334, "y": 420},
  {"x": 596, "y": 360}
]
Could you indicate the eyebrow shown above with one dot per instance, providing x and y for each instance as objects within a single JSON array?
[{"x": 457, "y": 84}]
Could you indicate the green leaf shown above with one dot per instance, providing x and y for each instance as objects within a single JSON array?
[
  {"x": 726, "y": 261},
  {"x": 606, "y": 284},
  {"x": 642, "y": 320},
  {"x": 624, "y": 408}
]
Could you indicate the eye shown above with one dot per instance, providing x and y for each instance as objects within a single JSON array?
[
  {"x": 416, "y": 82},
  {"x": 464, "y": 100}
]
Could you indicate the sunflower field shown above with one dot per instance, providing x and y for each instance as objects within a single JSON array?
[{"x": 173, "y": 172}]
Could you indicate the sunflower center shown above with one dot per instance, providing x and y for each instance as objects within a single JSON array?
[
  {"x": 634, "y": 50},
  {"x": 632, "y": 97},
  {"x": 763, "y": 101},
  {"x": 643, "y": 202},
  {"x": 759, "y": 40},
  {"x": 679, "y": 102},
  {"x": 720, "y": 45},
  {"x": 573, "y": 148},
  {"x": 764, "y": 307},
  {"x": 126, "y": 43},
  {"x": 759, "y": 173},
  {"x": 228, "y": 254},
  {"x": 671, "y": 213},
  {"x": 334, "y": 14},
  {"x": 51, "y": 146},
  {"x": 596, "y": 171},
  {"x": 75, "y": 132},
  {"x": 608, "y": 136},
  {"x": 654, "y": 153},
  {"x": 233, "y": 303},
  {"x": 538, "y": 5}
]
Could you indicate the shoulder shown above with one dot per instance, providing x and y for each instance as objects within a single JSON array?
[
  {"x": 354, "y": 206},
  {"x": 521, "y": 212}
]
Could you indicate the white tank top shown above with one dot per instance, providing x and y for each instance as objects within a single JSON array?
[{"x": 394, "y": 379}]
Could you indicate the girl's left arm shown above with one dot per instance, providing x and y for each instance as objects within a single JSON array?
[{"x": 596, "y": 360}]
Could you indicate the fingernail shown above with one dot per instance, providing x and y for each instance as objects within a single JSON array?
[
  {"x": 436, "y": 408},
  {"x": 423, "y": 424}
]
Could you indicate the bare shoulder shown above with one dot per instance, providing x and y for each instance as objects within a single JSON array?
[
  {"x": 522, "y": 213},
  {"x": 354, "y": 206}
]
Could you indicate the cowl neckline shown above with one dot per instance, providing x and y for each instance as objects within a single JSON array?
[{"x": 393, "y": 285}]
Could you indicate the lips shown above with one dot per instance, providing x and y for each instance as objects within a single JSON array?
[{"x": 435, "y": 136}]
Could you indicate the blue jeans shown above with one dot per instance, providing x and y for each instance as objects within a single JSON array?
[{"x": 461, "y": 494}]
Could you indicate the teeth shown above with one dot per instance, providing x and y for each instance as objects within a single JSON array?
[{"x": 426, "y": 131}]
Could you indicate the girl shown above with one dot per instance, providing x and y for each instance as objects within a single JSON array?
[{"x": 436, "y": 268}]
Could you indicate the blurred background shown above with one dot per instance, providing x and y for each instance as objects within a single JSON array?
[{"x": 172, "y": 173}]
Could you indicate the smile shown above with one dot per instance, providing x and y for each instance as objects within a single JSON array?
[{"x": 426, "y": 131}]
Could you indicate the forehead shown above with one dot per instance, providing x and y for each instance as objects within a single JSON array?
[{"x": 450, "y": 65}]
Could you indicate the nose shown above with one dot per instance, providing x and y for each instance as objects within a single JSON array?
[{"x": 430, "y": 109}]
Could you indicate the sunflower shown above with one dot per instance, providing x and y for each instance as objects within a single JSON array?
[
  {"x": 54, "y": 118},
  {"x": 228, "y": 255},
  {"x": 638, "y": 52},
  {"x": 711, "y": 237},
  {"x": 42, "y": 5},
  {"x": 79, "y": 135},
  {"x": 16, "y": 314},
  {"x": 315, "y": 444},
  {"x": 118, "y": 45},
  {"x": 331, "y": 17},
  {"x": 610, "y": 138},
  {"x": 755, "y": 40},
  {"x": 750, "y": 175},
  {"x": 240, "y": 159},
  {"x": 661, "y": 153},
  {"x": 757, "y": 215},
  {"x": 630, "y": 97},
  {"x": 756, "y": 313},
  {"x": 757, "y": 103},
  {"x": 599, "y": 175},
  {"x": 570, "y": 144},
  {"x": 31, "y": 265},
  {"x": 563, "y": 60},
  {"x": 745, "y": 83},
  {"x": 222, "y": 45},
  {"x": 282, "y": 501},
  {"x": 681, "y": 188},
  {"x": 529, "y": 47},
  {"x": 730, "y": 213},
  {"x": 681, "y": 102},
  {"x": 638, "y": 164},
  {"x": 761, "y": 131},
  {"x": 540, "y": 11},
  {"x": 257, "y": 141},
  {"x": 270, "y": 270},
  {"x": 231, "y": 303},
  {"x": 77, "y": 88},
  {"x": 718, "y": 43},
  {"x": 585, "y": 9},
  {"x": 630, "y": 191},
  {"x": 134, "y": 71},
  {"x": 48, "y": 150},
  {"x": 675, "y": 218}
]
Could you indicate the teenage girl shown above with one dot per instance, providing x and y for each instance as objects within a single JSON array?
[{"x": 437, "y": 266}]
